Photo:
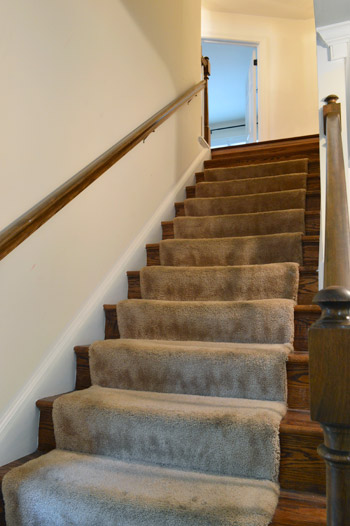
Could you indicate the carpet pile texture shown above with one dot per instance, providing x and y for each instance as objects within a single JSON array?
[{"x": 181, "y": 424}]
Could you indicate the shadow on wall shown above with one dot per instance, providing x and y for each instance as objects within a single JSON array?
[
  {"x": 173, "y": 30},
  {"x": 171, "y": 47}
]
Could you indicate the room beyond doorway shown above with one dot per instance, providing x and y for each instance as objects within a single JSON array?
[{"x": 233, "y": 107}]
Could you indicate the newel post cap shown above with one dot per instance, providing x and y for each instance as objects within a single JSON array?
[
  {"x": 331, "y": 98},
  {"x": 332, "y": 107}
]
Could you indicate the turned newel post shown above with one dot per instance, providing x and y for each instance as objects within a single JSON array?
[
  {"x": 206, "y": 74},
  {"x": 329, "y": 337}
]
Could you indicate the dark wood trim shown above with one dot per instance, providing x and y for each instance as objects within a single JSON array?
[
  {"x": 206, "y": 75},
  {"x": 30, "y": 221},
  {"x": 292, "y": 141},
  {"x": 329, "y": 337}
]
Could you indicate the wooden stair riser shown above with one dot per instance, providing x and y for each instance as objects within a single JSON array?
[
  {"x": 312, "y": 203},
  {"x": 308, "y": 285},
  {"x": 310, "y": 252},
  {"x": 301, "y": 468},
  {"x": 297, "y": 377},
  {"x": 313, "y": 183},
  {"x": 312, "y": 225},
  {"x": 304, "y": 316}
]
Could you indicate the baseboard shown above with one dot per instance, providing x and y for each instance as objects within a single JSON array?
[{"x": 56, "y": 373}]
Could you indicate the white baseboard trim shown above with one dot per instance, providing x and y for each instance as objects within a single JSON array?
[{"x": 56, "y": 373}]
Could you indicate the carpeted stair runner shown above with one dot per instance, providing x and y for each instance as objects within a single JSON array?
[
  {"x": 233, "y": 437},
  {"x": 275, "y": 183},
  {"x": 233, "y": 370},
  {"x": 242, "y": 204},
  {"x": 270, "y": 321},
  {"x": 227, "y": 251},
  {"x": 180, "y": 426},
  {"x": 257, "y": 170},
  {"x": 234, "y": 225},
  {"x": 102, "y": 491},
  {"x": 220, "y": 283}
]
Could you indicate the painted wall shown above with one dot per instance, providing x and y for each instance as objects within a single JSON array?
[
  {"x": 227, "y": 137},
  {"x": 287, "y": 68},
  {"x": 79, "y": 76}
]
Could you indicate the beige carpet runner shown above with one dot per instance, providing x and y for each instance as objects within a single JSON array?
[{"x": 180, "y": 426}]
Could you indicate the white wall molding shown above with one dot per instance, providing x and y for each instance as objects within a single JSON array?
[
  {"x": 55, "y": 374},
  {"x": 337, "y": 38}
]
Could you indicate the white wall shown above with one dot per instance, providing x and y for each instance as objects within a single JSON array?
[
  {"x": 228, "y": 137},
  {"x": 287, "y": 68},
  {"x": 79, "y": 76}
]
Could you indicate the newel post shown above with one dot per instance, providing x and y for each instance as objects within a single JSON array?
[
  {"x": 329, "y": 337},
  {"x": 206, "y": 74}
]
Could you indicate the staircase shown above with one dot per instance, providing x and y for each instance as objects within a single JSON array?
[{"x": 185, "y": 432}]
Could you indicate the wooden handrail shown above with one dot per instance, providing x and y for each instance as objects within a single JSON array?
[
  {"x": 25, "y": 225},
  {"x": 206, "y": 74},
  {"x": 329, "y": 337}
]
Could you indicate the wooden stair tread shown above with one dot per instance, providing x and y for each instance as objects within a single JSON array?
[
  {"x": 290, "y": 142},
  {"x": 300, "y": 509},
  {"x": 311, "y": 143},
  {"x": 267, "y": 151},
  {"x": 299, "y": 422}
]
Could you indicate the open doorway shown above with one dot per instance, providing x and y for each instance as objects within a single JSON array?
[{"x": 233, "y": 92}]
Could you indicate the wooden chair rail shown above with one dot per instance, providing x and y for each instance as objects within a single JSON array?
[
  {"x": 329, "y": 337},
  {"x": 25, "y": 225}
]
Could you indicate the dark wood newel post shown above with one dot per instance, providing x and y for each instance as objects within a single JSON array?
[
  {"x": 329, "y": 337},
  {"x": 206, "y": 72}
]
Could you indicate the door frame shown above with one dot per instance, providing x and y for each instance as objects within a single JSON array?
[{"x": 261, "y": 45}]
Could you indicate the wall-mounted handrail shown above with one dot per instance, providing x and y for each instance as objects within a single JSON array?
[
  {"x": 30, "y": 221},
  {"x": 329, "y": 337}
]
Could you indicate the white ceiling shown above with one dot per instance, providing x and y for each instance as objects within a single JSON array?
[
  {"x": 227, "y": 83},
  {"x": 325, "y": 14},
  {"x": 298, "y": 9}
]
